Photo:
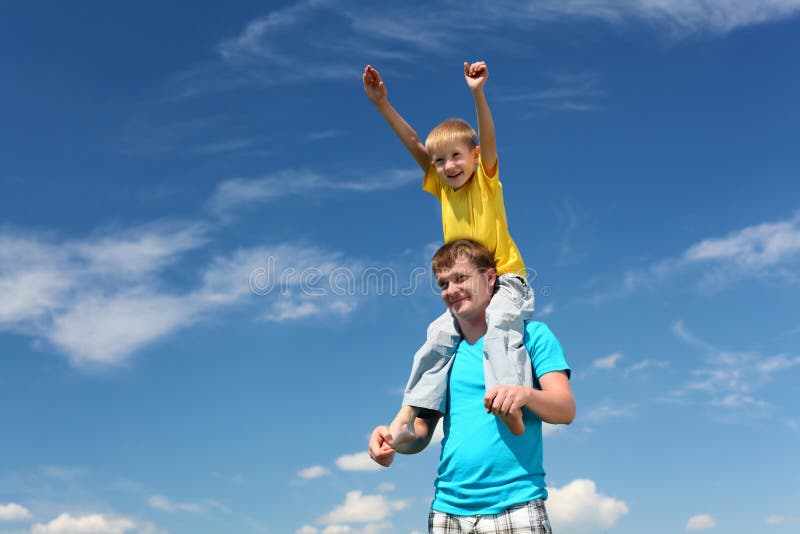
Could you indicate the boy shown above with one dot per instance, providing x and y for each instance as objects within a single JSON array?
[{"x": 464, "y": 177}]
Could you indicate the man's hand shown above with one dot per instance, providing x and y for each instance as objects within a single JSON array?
[
  {"x": 380, "y": 445},
  {"x": 476, "y": 75},
  {"x": 502, "y": 400},
  {"x": 373, "y": 85}
]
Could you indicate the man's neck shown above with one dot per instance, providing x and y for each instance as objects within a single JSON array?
[{"x": 472, "y": 330}]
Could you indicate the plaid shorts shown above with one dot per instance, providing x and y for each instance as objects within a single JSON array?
[{"x": 525, "y": 518}]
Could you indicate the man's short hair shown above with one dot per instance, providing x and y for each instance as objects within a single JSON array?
[
  {"x": 450, "y": 131},
  {"x": 448, "y": 254}
]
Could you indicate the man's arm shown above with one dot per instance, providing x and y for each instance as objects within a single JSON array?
[
  {"x": 554, "y": 403},
  {"x": 376, "y": 92},
  {"x": 476, "y": 76},
  {"x": 380, "y": 442}
]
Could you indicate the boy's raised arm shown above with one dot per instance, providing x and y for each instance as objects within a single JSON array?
[
  {"x": 376, "y": 92},
  {"x": 476, "y": 75}
]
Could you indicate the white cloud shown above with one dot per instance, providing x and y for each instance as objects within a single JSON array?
[
  {"x": 150, "y": 528},
  {"x": 547, "y": 310},
  {"x": 376, "y": 528},
  {"x": 315, "y": 471},
  {"x": 550, "y": 429},
  {"x": 60, "y": 472},
  {"x": 369, "y": 528},
  {"x": 290, "y": 309},
  {"x": 700, "y": 522},
  {"x": 101, "y": 329},
  {"x": 28, "y": 295},
  {"x": 607, "y": 362},
  {"x": 773, "y": 364},
  {"x": 579, "y": 508},
  {"x": 360, "y": 508},
  {"x": 608, "y": 410},
  {"x": 100, "y": 299},
  {"x": 753, "y": 247},
  {"x": 359, "y": 461},
  {"x": 159, "y": 502},
  {"x": 781, "y": 520},
  {"x": 76, "y": 293},
  {"x": 731, "y": 379},
  {"x": 271, "y": 49},
  {"x": 764, "y": 251},
  {"x": 675, "y": 18},
  {"x": 386, "y": 487},
  {"x": 14, "y": 512},
  {"x": 87, "y": 524},
  {"x": 140, "y": 251},
  {"x": 644, "y": 364},
  {"x": 238, "y": 192},
  {"x": 566, "y": 92}
]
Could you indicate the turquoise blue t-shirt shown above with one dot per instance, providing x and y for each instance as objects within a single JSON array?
[{"x": 483, "y": 468}]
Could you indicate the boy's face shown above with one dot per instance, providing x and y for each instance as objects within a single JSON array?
[{"x": 455, "y": 163}]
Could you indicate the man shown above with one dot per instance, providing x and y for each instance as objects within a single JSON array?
[{"x": 489, "y": 479}]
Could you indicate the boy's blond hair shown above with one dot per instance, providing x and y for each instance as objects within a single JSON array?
[{"x": 451, "y": 131}]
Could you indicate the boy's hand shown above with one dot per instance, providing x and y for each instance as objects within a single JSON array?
[
  {"x": 476, "y": 75},
  {"x": 373, "y": 85},
  {"x": 502, "y": 400}
]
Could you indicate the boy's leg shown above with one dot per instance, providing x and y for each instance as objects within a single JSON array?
[
  {"x": 507, "y": 361},
  {"x": 427, "y": 384}
]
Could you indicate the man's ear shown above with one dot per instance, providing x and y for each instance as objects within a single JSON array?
[
  {"x": 491, "y": 275},
  {"x": 476, "y": 152}
]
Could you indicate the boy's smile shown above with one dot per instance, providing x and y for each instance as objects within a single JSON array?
[{"x": 455, "y": 163}]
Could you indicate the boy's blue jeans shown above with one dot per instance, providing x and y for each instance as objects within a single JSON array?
[{"x": 506, "y": 360}]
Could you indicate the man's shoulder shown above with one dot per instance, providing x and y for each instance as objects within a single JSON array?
[
  {"x": 539, "y": 338},
  {"x": 544, "y": 348},
  {"x": 538, "y": 329}
]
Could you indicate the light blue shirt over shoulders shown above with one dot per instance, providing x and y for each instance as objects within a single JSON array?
[{"x": 483, "y": 468}]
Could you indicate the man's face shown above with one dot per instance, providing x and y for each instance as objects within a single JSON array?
[{"x": 466, "y": 291}]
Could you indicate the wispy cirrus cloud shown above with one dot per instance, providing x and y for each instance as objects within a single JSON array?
[
  {"x": 160, "y": 502},
  {"x": 242, "y": 192},
  {"x": 563, "y": 92},
  {"x": 608, "y": 410},
  {"x": 782, "y": 520},
  {"x": 674, "y": 18},
  {"x": 272, "y": 50},
  {"x": 730, "y": 379},
  {"x": 99, "y": 299},
  {"x": 766, "y": 251},
  {"x": 607, "y": 362},
  {"x": 79, "y": 294},
  {"x": 646, "y": 364}
]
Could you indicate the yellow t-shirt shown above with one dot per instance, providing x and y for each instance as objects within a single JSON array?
[{"x": 476, "y": 211}]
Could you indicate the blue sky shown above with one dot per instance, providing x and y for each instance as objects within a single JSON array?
[{"x": 213, "y": 257}]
